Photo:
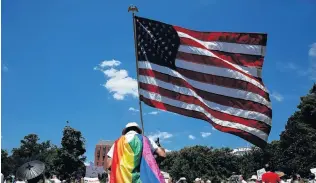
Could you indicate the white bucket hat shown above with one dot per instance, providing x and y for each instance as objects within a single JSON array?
[
  {"x": 131, "y": 124},
  {"x": 254, "y": 177}
]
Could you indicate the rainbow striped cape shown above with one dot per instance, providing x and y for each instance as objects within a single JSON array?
[{"x": 133, "y": 162}]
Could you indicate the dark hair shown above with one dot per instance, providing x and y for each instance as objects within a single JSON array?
[
  {"x": 294, "y": 177},
  {"x": 133, "y": 128},
  {"x": 267, "y": 167},
  {"x": 47, "y": 175},
  {"x": 37, "y": 179},
  {"x": 312, "y": 176}
]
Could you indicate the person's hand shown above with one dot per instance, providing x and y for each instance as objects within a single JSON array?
[{"x": 158, "y": 142}]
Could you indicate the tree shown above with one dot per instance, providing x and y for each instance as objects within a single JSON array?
[
  {"x": 31, "y": 149},
  {"x": 298, "y": 140},
  {"x": 7, "y": 164},
  {"x": 249, "y": 163},
  {"x": 274, "y": 154},
  {"x": 70, "y": 161},
  {"x": 167, "y": 163},
  {"x": 200, "y": 161}
]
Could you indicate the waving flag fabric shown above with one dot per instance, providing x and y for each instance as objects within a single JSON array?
[
  {"x": 213, "y": 76},
  {"x": 133, "y": 162}
]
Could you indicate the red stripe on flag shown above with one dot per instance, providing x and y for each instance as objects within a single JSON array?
[
  {"x": 210, "y": 60},
  {"x": 219, "y": 99},
  {"x": 234, "y": 58},
  {"x": 223, "y": 81},
  {"x": 230, "y": 37},
  {"x": 241, "y": 59},
  {"x": 245, "y": 135},
  {"x": 219, "y": 115}
]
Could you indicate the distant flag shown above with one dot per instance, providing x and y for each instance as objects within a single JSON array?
[{"x": 213, "y": 76}]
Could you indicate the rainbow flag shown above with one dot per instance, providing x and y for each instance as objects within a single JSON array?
[{"x": 133, "y": 162}]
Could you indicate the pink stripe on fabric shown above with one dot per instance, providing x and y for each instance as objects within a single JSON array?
[{"x": 149, "y": 158}]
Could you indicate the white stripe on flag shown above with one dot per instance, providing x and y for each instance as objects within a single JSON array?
[
  {"x": 219, "y": 71},
  {"x": 193, "y": 107},
  {"x": 214, "y": 106},
  {"x": 200, "y": 51},
  {"x": 230, "y": 92},
  {"x": 227, "y": 47}
]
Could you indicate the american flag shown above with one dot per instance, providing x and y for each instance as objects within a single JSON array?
[{"x": 213, "y": 76}]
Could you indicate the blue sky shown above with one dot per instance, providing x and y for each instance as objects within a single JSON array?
[{"x": 50, "y": 51}]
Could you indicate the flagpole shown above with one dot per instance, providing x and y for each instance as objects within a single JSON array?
[{"x": 134, "y": 9}]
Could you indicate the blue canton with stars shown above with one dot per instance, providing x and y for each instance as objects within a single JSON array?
[{"x": 157, "y": 42}]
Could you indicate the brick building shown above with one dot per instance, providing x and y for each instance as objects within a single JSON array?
[{"x": 100, "y": 153}]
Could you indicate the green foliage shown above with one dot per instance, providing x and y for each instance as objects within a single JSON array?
[
  {"x": 200, "y": 161},
  {"x": 70, "y": 161},
  {"x": 7, "y": 163},
  {"x": 167, "y": 163},
  {"x": 31, "y": 149},
  {"x": 298, "y": 140},
  {"x": 102, "y": 177},
  {"x": 252, "y": 161}
]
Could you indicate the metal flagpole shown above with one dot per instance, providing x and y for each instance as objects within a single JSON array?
[{"x": 134, "y": 9}]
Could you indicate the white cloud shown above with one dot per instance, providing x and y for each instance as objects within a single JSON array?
[
  {"x": 309, "y": 72},
  {"x": 88, "y": 163},
  {"x": 118, "y": 82},
  {"x": 312, "y": 50},
  {"x": 5, "y": 68},
  {"x": 133, "y": 109},
  {"x": 167, "y": 150},
  {"x": 154, "y": 112},
  {"x": 312, "y": 62},
  {"x": 161, "y": 135},
  {"x": 191, "y": 137},
  {"x": 293, "y": 68},
  {"x": 110, "y": 63},
  {"x": 205, "y": 134},
  {"x": 278, "y": 97}
]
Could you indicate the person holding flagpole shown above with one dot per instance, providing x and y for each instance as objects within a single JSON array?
[{"x": 131, "y": 158}]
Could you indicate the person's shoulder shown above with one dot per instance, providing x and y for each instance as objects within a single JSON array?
[
  {"x": 265, "y": 174},
  {"x": 275, "y": 174}
]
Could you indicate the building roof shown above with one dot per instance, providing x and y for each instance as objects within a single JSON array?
[{"x": 105, "y": 142}]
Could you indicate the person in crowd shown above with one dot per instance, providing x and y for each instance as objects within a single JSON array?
[
  {"x": 137, "y": 149},
  {"x": 295, "y": 178},
  {"x": 312, "y": 178},
  {"x": 18, "y": 180},
  {"x": 283, "y": 179},
  {"x": 299, "y": 178},
  {"x": 38, "y": 179},
  {"x": 216, "y": 180},
  {"x": 253, "y": 179},
  {"x": 241, "y": 179},
  {"x": 270, "y": 176},
  {"x": 55, "y": 179}
]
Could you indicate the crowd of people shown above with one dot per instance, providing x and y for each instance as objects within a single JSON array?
[
  {"x": 269, "y": 176},
  {"x": 132, "y": 158}
]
